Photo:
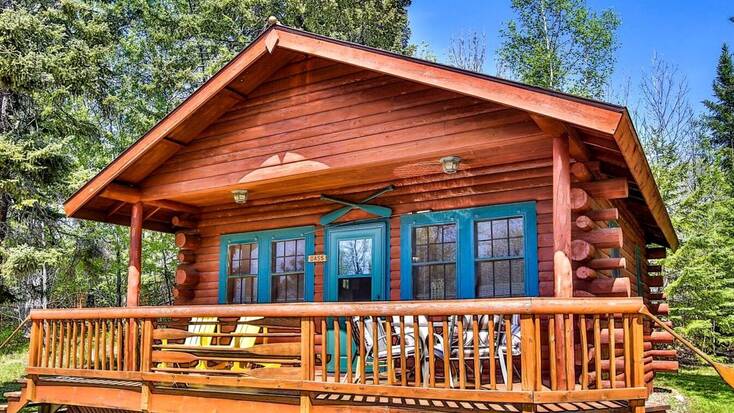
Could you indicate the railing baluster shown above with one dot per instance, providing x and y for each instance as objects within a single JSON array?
[
  {"x": 82, "y": 342},
  {"x": 90, "y": 334},
  {"x": 403, "y": 357},
  {"x": 119, "y": 344},
  {"x": 446, "y": 352},
  {"x": 552, "y": 352},
  {"x": 538, "y": 354},
  {"x": 324, "y": 345},
  {"x": 96, "y": 345},
  {"x": 418, "y": 358},
  {"x": 62, "y": 341},
  {"x": 74, "y": 346},
  {"x": 349, "y": 343},
  {"x": 568, "y": 340},
  {"x": 103, "y": 337},
  {"x": 508, "y": 350},
  {"x": 375, "y": 350},
  {"x": 462, "y": 366},
  {"x": 46, "y": 344},
  {"x": 612, "y": 351},
  {"x": 475, "y": 349},
  {"x": 584, "y": 354},
  {"x": 388, "y": 347},
  {"x": 136, "y": 337},
  {"x": 431, "y": 354},
  {"x": 362, "y": 353},
  {"x": 337, "y": 351},
  {"x": 111, "y": 345},
  {"x": 54, "y": 352},
  {"x": 492, "y": 347},
  {"x": 597, "y": 351},
  {"x": 626, "y": 345}
]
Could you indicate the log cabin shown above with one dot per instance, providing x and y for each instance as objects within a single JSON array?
[{"x": 364, "y": 231}]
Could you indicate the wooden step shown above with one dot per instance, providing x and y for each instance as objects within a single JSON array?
[
  {"x": 3, "y": 408},
  {"x": 12, "y": 396},
  {"x": 657, "y": 408}
]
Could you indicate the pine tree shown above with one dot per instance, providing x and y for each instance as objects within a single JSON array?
[{"x": 720, "y": 118}]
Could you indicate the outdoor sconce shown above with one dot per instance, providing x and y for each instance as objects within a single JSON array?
[
  {"x": 450, "y": 164},
  {"x": 240, "y": 196}
]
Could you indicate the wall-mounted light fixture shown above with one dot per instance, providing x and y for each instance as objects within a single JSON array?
[
  {"x": 240, "y": 196},
  {"x": 450, "y": 164}
]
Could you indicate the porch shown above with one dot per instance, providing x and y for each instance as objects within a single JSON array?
[{"x": 438, "y": 355}]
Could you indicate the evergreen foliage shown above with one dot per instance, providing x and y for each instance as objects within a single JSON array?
[
  {"x": 80, "y": 80},
  {"x": 720, "y": 118}
]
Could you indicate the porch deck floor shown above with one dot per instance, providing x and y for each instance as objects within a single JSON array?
[{"x": 326, "y": 398}]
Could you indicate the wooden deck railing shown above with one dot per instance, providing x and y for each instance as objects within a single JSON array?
[{"x": 471, "y": 350}]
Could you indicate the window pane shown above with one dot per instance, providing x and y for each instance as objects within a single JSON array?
[
  {"x": 450, "y": 277},
  {"x": 355, "y": 289},
  {"x": 485, "y": 279},
  {"x": 499, "y": 228},
  {"x": 517, "y": 270},
  {"x": 500, "y": 248},
  {"x": 516, "y": 227},
  {"x": 516, "y": 246},
  {"x": 421, "y": 283},
  {"x": 502, "y": 278},
  {"x": 355, "y": 256},
  {"x": 242, "y": 290}
]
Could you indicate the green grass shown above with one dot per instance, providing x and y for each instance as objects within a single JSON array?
[
  {"x": 12, "y": 367},
  {"x": 697, "y": 390}
]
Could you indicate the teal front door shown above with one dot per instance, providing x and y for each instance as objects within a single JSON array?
[{"x": 356, "y": 271}]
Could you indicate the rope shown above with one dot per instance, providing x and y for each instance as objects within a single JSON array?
[{"x": 17, "y": 329}]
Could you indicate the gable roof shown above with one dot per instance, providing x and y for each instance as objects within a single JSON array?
[{"x": 279, "y": 44}]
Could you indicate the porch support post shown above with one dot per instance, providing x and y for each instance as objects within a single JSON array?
[
  {"x": 136, "y": 250},
  {"x": 563, "y": 281}
]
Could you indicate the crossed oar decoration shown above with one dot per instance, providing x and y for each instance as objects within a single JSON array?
[{"x": 378, "y": 210}]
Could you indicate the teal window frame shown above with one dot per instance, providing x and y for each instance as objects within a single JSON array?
[
  {"x": 264, "y": 241},
  {"x": 465, "y": 220}
]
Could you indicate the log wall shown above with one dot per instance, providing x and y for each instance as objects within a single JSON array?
[{"x": 322, "y": 111}]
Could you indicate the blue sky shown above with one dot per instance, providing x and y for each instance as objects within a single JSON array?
[{"x": 687, "y": 33}]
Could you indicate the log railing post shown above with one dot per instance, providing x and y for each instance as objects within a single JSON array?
[
  {"x": 33, "y": 356},
  {"x": 133, "y": 277},
  {"x": 638, "y": 365},
  {"x": 135, "y": 259},
  {"x": 146, "y": 352},
  {"x": 528, "y": 360},
  {"x": 307, "y": 360},
  {"x": 563, "y": 282}
]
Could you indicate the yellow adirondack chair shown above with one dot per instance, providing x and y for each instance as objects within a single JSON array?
[
  {"x": 198, "y": 325},
  {"x": 244, "y": 342}
]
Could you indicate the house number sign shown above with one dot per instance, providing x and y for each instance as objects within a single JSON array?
[{"x": 317, "y": 258}]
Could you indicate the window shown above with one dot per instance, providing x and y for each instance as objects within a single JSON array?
[
  {"x": 470, "y": 253},
  {"x": 267, "y": 266}
]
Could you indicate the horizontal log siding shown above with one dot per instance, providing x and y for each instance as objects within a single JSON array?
[{"x": 331, "y": 113}]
